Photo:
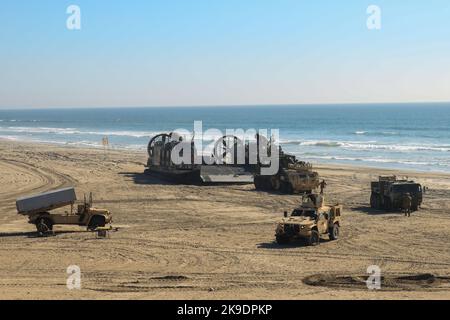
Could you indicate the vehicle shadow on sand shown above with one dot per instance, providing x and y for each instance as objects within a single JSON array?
[
  {"x": 374, "y": 212},
  {"x": 34, "y": 234},
  {"x": 291, "y": 245},
  {"x": 145, "y": 178}
]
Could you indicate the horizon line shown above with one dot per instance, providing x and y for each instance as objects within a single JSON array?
[{"x": 224, "y": 105}]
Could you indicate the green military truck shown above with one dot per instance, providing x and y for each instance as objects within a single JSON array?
[{"x": 389, "y": 191}]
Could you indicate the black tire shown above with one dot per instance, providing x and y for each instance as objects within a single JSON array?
[
  {"x": 44, "y": 225},
  {"x": 314, "y": 238},
  {"x": 96, "y": 222},
  {"x": 387, "y": 204},
  {"x": 282, "y": 240},
  {"x": 334, "y": 232},
  {"x": 373, "y": 201},
  {"x": 378, "y": 202}
]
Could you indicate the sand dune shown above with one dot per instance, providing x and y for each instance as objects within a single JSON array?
[{"x": 187, "y": 242}]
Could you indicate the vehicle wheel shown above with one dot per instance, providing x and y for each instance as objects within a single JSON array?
[
  {"x": 387, "y": 204},
  {"x": 334, "y": 232},
  {"x": 282, "y": 240},
  {"x": 44, "y": 225},
  {"x": 373, "y": 201},
  {"x": 378, "y": 202},
  {"x": 314, "y": 239},
  {"x": 96, "y": 222}
]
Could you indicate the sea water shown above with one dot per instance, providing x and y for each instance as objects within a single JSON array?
[{"x": 406, "y": 136}]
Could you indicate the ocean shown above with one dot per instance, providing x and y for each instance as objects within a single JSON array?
[{"x": 414, "y": 136}]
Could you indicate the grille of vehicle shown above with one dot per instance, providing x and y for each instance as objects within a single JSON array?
[{"x": 291, "y": 229}]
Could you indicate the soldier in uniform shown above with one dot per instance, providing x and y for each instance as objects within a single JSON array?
[
  {"x": 323, "y": 185},
  {"x": 406, "y": 204}
]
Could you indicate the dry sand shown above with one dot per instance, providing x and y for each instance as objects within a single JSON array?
[{"x": 189, "y": 242}]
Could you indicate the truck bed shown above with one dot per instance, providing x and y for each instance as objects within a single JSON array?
[{"x": 45, "y": 202}]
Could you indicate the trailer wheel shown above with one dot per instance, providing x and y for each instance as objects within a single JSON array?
[{"x": 96, "y": 222}]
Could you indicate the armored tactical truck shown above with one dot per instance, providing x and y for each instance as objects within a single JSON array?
[
  {"x": 293, "y": 176},
  {"x": 388, "y": 192},
  {"x": 310, "y": 221},
  {"x": 38, "y": 209}
]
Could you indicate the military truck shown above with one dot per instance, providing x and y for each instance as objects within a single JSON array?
[
  {"x": 293, "y": 176},
  {"x": 388, "y": 192},
  {"x": 310, "y": 221},
  {"x": 38, "y": 209}
]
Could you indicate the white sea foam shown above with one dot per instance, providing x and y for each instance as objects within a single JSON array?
[
  {"x": 73, "y": 131},
  {"x": 382, "y": 160},
  {"x": 373, "y": 145}
]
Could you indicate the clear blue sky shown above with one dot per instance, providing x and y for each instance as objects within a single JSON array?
[{"x": 222, "y": 52}]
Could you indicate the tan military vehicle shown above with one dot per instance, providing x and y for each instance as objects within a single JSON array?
[
  {"x": 38, "y": 209},
  {"x": 293, "y": 176},
  {"x": 310, "y": 221}
]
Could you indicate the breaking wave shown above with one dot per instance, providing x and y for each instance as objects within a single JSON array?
[
  {"x": 373, "y": 145},
  {"x": 73, "y": 131}
]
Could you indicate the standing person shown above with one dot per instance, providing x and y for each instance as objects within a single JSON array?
[
  {"x": 323, "y": 185},
  {"x": 406, "y": 204}
]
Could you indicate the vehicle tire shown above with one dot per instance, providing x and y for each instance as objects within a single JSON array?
[
  {"x": 44, "y": 225},
  {"x": 334, "y": 232},
  {"x": 282, "y": 240},
  {"x": 387, "y": 204},
  {"x": 314, "y": 239},
  {"x": 96, "y": 222},
  {"x": 378, "y": 202},
  {"x": 373, "y": 201}
]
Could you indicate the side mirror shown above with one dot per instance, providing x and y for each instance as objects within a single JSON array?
[{"x": 285, "y": 214}]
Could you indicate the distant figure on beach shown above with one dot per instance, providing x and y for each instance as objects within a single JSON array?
[
  {"x": 105, "y": 142},
  {"x": 406, "y": 204},
  {"x": 323, "y": 185}
]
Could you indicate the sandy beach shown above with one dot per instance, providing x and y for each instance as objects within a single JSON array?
[{"x": 214, "y": 242}]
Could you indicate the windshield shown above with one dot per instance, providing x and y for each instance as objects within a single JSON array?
[
  {"x": 412, "y": 188},
  {"x": 304, "y": 213}
]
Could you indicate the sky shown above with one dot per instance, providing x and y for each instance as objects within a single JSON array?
[{"x": 222, "y": 52}]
